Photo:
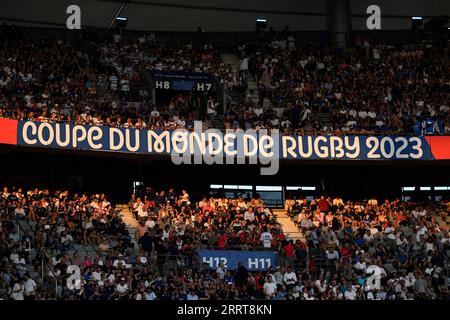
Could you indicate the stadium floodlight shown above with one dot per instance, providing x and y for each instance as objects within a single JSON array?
[
  {"x": 121, "y": 22},
  {"x": 408, "y": 189},
  {"x": 309, "y": 188},
  {"x": 416, "y": 22},
  {"x": 425, "y": 188},
  {"x": 441, "y": 188},
  {"x": 293, "y": 188},
  {"x": 230, "y": 186},
  {"x": 261, "y": 23},
  {"x": 269, "y": 188},
  {"x": 216, "y": 186}
]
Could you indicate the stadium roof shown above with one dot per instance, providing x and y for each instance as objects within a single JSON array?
[{"x": 213, "y": 15}]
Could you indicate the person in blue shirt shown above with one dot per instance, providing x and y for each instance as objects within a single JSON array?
[
  {"x": 348, "y": 230},
  {"x": 439, "y": 126},
  {"x": 362, "y": 280},
  {"x": 360, "y": 241},
  {"x": 417, "y": 128},
  {"x": 229, "y": 279},
  {"x": 182, "y": 296},
  {"x": 429, "y": 126}
]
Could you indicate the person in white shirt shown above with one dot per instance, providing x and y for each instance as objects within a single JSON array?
[
  {"x": 361, "y": 266},
  {"x": 421, "y": 233},
  {"x": 150, "y": 295},
  {"x": 289, "y": 277},
  {"x": 18, "y": 290},
  {"x": 138, "y": 208},
  {"x": 321, "y": 285},
  {"x": 211, "y": 109},
  {"x": 266, "y": 239},
  {"x": 389, "y": 232},
  {"x": 243, "y": 65},
  {"x": 122, "y": 286},
  {"x": 418, "y": 213},
  {"x": 220, "y": 271},
  {"x": 192, "y": 296},
  {"x": 150, "y": 223},
  {"x": 249, "y": 215},
  {"x": 308, "y": 296},
  {"x": 155, "y": 113},
  {"x": 16, "y": 258},
  {"x": 29, "y": 287},
  {"x": 350, "y": 294},
  {"x": 258, "y": 110},
  {"x": 270, "y": 288},
  {"x": 332, "y": 254},
  {"x": 96, "y": 275}
]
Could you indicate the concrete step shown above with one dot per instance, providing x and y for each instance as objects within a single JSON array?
[
  {"x": 232, "y": 60},
  {"x": 290, "y": 230},
  {"x": 131, "y": 224}
]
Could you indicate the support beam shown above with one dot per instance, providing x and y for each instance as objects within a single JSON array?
[
  {"x": 118, "y": 12},
  {"x": 339, "y": 22}
]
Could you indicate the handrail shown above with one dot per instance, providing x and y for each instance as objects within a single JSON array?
[{"x": 45, "y": 262}]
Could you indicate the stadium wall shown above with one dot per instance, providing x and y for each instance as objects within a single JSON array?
[
  {"x": 90, "y": 170},
  {"x": 262, "y": 145},
  {"x": 214, "y": 16}
]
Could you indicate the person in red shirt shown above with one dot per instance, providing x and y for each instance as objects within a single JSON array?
[
  {"x": 345, "y": 259},
  {"x": 290, "y": 253},
  {"x": 243, "y": 236},
  {"x": 259, "y": 284},
  {"x": 323, "y": 204},
  {"x": 222, "y": 241}
]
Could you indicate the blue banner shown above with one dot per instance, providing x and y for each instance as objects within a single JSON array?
[
  {"x": 218, "y": 145},
  {"x": 183, "y": 81},
  {"x": 180, "y": 75},
  {"x": 355, "y": 147},
  {"x": 252, "y": 260}
]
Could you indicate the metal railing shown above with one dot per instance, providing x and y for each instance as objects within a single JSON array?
[
  {"x": 45, "y": 264},
  {"x": 297, "y": 131}
]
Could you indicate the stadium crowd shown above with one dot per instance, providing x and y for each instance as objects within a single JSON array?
[
  {"x": 57, "y": 81},
  {"x": 221, "y": 223},
  {"x": 38, "y": 225},
  {"x": 374, "y": 89},
  {"x": 404, "y": 244}
]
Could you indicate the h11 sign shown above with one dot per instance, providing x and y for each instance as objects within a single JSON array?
[{"x": 252, "y": 260}]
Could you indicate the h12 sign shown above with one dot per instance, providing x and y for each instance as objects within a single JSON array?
[{"x": 252, "y": 260}]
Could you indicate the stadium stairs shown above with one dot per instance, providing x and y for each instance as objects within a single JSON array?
[
  {"x": 289, "y": 228},
  {"x": 83, "y": 250},
  {"x": 233, "y": 61},
  {"x": 130, "y": 222}
]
